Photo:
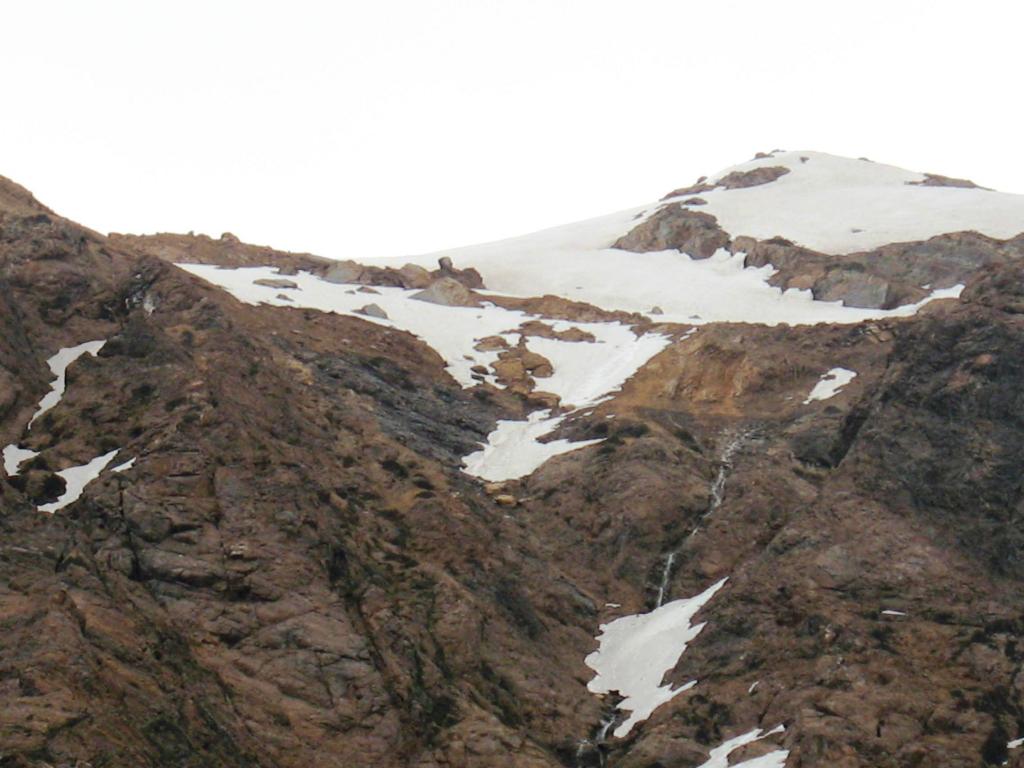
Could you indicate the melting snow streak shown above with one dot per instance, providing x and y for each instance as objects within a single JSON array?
[
  {"x": 719, "y": 757},
  {"x": 636, "y": 651},
  {"x": 75, "y": 480},
  {"x": 14, "y": 457},
  {"x": 59, "y": 365}
]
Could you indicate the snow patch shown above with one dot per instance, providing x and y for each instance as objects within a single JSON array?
[
  {"x": 14, "y": 457},
  {"x": 719, "y": 757},
  {"x": 59, "y": 365},
  {"x": 124, "y": 467},
  {"x": 512, "y": 450},
  {"x": 893, "y": 613},
  {"x": 636, "y": 651},
  {"x": 585, "y": 374},
  {"x": 830, "y": 383},
  {"x": 75, "y": 480}
]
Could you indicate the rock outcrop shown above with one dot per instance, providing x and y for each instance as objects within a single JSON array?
[
  {"x": 676, "y": 227},
  {"x": 887, "y": 277}
]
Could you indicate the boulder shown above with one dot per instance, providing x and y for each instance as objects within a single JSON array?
[
  {"x": 373, "y": 310},
  {"x": 468, "y": 277},
  {"x": 673, "y": 227},
  {"x": 276, "y": 282},
  {"x": 414, "y": 276},
  {"x": 344, "y": 272},
  {"x": 490, "y": 344},
  {"x": 449, "y": 293}
]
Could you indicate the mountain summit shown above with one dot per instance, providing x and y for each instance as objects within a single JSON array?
[{"x": 731, "y": 478}]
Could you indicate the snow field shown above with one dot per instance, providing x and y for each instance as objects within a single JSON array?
[{"x": 844, "y": 205}]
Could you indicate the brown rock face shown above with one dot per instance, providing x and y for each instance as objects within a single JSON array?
[
  {"x": 231, "y": 599},
  {"x": 886, "y": 277},
  {"x": 226, "y": 251},
  {"x": 296, "y": 572}
]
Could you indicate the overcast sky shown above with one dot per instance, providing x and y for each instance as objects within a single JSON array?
[{"x": 384, "y": 127}]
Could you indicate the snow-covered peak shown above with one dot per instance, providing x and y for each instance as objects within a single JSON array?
[
  {"x": 831, "y": 204},
  {"x": 839, "y": 169},
  {"x": 842, "y": 205}
]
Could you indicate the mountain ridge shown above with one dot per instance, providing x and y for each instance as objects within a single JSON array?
[{"x": 295, "y": 567}]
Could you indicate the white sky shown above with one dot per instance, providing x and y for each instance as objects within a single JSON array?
[{"x": 383, "y": 127}]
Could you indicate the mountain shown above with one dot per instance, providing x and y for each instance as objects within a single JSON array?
[{"x": 731, "y": 478}]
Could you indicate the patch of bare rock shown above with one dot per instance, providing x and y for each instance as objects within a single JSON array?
[
  {"x": 938, "y": 180},
  {"x": 883, "y": 278},
  {"x": 734, "y": 180}
]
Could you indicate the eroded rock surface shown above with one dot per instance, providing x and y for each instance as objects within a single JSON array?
[{"x": 295, "y": 571}]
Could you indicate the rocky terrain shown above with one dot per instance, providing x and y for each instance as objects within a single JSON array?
[{"x": 378, "y": 513}]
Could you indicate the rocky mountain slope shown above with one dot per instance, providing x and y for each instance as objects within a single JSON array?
[{"x": 732, "y": 478}]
